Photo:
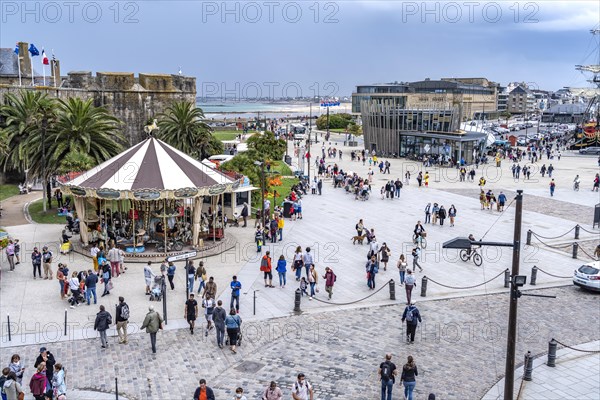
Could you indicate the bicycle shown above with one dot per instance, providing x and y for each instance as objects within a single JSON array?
[
  {"x": 465, "y": 255},
  {"x": 419, "y": 241}
]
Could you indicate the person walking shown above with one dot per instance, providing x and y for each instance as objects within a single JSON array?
[
  {"x": 387, "y": 372},
  {"x": 280, "y": 225},
  {"x": 106, "y": 278},
  {"x": 313, "y": 277},
  {"x": 552, "y": 187},
  {"x": 372, "y": 269},
  {"x": 209, "y": 306},
  {"x": 298, "y": 262},
  {"x": 10, "y": 254},
  {"x": 75, "y": 289},
  {"x": 281, "y": 271},
  {"x": 219, "y": 316},
  {"x": 302, "y": 389},
  {"x": 91, "y": 280},
  {"x": 330, "y": 279},
  {"x": 407, "y": 378},
  {"x": 39, "y": 383},
  {"x": 244, "y": 215},
  {"x": 235, "y": 293},
  {"x": 191, "y": 312},
  {"x": 200, "y": 276},
  {"x": 416, "y": 254},
  {"x": 402, "y": 268},
  {"x": 385, "y": 255},
  {"x": 442, "y": 215},
  {"x": 191, "y": 274},
  {"x": 148, "y": 276},
  {"x": 171, "y": 274},
  {"x": 409, "y": 283},
  {"x": 36, "y": 261},
  {"x": 320, "y": 186},
  {"x": 122, "y": 320},
  {"x": 47, "y": 260},
  {"x": 203, "y": 392},
  {"x": 59, "y": 386},
  {"x": 428, "y": 213},
  {"x": 115, "y": 259},
  {"x": 272, "y": 392},
  {"x": 152, "y": 323},
  {"x": 265, "y": 267},
  {"x": 233, "y": 323},
  {"x": 412, "y": 316},
  {"x": 211, "y": 288},
  {"x": 452, "y": 214},
  {"x": 101, "y": 324},
  {"x": 307, "y": 261}
]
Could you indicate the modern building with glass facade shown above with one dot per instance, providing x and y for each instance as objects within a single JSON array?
[
  {"x": 475, "y": 96},
  {"x": 391, "y": 129}
]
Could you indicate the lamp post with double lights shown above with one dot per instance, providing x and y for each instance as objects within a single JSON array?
[{"x": 262, "y": 190}]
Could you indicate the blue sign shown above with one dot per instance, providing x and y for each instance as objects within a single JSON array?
[{"x": 330, "y": 104}]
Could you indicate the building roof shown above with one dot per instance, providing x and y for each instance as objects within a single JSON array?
[{"x": 577, "y": 108}]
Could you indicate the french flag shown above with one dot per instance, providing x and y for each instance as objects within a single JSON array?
[{"x": 44, "y": 58}]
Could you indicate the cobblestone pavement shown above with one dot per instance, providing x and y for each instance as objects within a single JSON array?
[{"x": 339, "y": 352}]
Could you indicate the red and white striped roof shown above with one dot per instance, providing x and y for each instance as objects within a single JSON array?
[{"x": 151, "y": 164}]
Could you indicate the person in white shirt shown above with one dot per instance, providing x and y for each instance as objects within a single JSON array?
[
  {"x": 308, "y": 261},
  {"x": 302, "y": 389},
  {"x": 94, "y": 253}
]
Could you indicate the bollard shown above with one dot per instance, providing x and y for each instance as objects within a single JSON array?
[
  {"x": 116, "y": 388},
  {"x": 529, "y": 237},
  {"x": 533, "y": 275},
  {"x": 424, "y": 286},
  {"x": 528, "y": 367},
  {"x": 392, "y": 286},
  {"x": 297, "y": 301},
  {"x": 65, "y": 322},
  {"x": 577, "y": 231},
  {"x": 575, "y": 248},
  {"x": 552, "y": 353},
  {"x": 8, "y": 326},
  {"x": 254, "y": 303},
  {"x": 506, "y": 278}
]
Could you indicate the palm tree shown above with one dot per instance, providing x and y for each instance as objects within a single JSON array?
[
  {"x": 23, "y": 114},
  {"x": 181, "y": 126},
  {"x": 75, "y": 161},
  {"x": 84, "y": 129}
]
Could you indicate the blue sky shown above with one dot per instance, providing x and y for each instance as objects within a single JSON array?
[{"x": 326, "y": 48}]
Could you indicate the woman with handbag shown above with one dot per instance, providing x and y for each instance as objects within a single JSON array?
[
  {"x": 298, "y": 262},
  {"x": 106, "y": 278},
  {"x": 402, "y": 264},
  {"x": 233, "y": 323},
  {"x": 385, "y": 255},
  {"x": 12, "y": 388}
]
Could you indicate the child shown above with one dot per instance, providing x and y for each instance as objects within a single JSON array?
[
  {"x": 16, "y": 367},
  {"x": 303, "y": 286},
  {"x": 258, "y": 237},
  {"x": 239, "y": 394}
]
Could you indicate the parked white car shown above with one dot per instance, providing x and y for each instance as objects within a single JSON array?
[{"x": 588, "y": 276}]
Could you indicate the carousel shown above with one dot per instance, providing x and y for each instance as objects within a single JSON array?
[{"x": 152, "y": 198}]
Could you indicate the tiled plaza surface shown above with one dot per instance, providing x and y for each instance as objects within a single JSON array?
[
  {"x": 339, "y": 351},
  {"x": 338, "y": 345}
]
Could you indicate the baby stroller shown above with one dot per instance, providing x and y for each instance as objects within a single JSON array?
[
  {"x": 239, "y": 339},
  {"x": 156, "y": 291},
  {"x": 76, "y": 297}
]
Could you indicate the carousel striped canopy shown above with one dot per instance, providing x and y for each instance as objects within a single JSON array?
[{"x": 151, "y": 164}]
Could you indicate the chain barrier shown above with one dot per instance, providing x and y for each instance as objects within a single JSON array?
[
  {"x": 467, "y": 287},
  {"x": 355, "y": 301},
  {"x": 559, "y": 247},
  {"x": 585, "y": 230},
  {"x": 586, "y": 253},
  {"x": 552, "y": 275},
  {"x": 554, "y": 237},
  {"x": 572, "y": 348}
]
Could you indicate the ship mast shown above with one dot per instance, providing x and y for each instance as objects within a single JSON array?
[{"x": 594, "y": 104}]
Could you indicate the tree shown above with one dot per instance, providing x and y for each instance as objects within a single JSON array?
[
  {"x": 506, "y": 115},
  {"x": 354, "y": 129},
  {"x": 23, "y": 114},
  {"x": 266, "y": 147},
  {"x": 181, "y": 126},
  {"x": 81, "y": 128},
  {"x": 75, "y": 161},
  {"x": 336, "y": 121}
]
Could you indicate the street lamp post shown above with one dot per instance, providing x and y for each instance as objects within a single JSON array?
[
  {"x": 262, "y": 190},
  {"x": 44, "y": 188},
  {"x": 516, "y": 281}
]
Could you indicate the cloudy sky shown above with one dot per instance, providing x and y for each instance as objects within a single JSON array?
[{"x": 245, "y": 48}]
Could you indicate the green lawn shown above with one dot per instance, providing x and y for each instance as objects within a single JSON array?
[
  {"x": 50, "y": 217},
  {"x": 283, "y": 190},
  {"x": 226, "y": 135},
  {"x": 7, "y": 191},
  {"x": 282, "y": 168},
  {"x": 338, "y": 130}
]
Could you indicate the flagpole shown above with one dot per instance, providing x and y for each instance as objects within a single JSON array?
[
  {"x": 31, "y": 62},
  {"x": 19, "y": 68},
  {"x": 44, "y": 71}
]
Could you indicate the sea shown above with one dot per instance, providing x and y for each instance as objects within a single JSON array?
[{"x": 252, "y": 109}]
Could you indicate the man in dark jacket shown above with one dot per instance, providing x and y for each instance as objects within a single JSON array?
[
  {"x": 245, "y": 214},
  {"x": 122, "y": 320},
  {"x": 219, "y": 316},
  {"x": 103, "y": 320},
  {"x": 48, "y": 358},
  {"x": 204, "y": 389},
  {"x": 413, "y": 317}
]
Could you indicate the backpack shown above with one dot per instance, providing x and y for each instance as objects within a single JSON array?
[
  {"x": 386, "y": 371},
  {"x": 409, "y": 314},
  {"x": 109, "y": 319},
  {"x": 125, "y": 312}
]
